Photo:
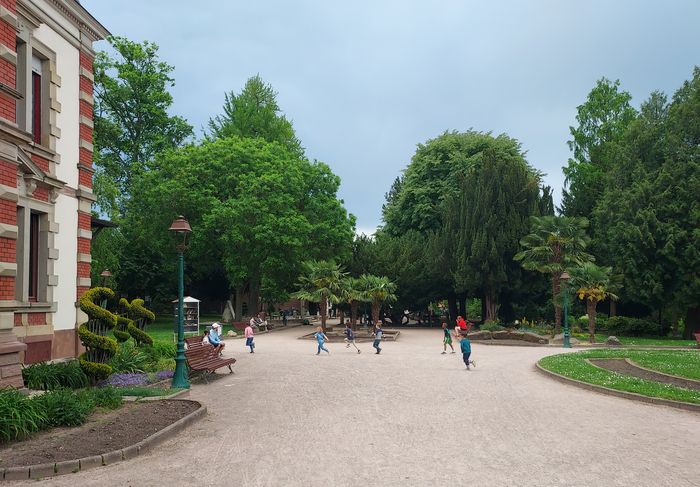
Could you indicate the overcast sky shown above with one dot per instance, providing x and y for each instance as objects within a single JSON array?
[{"x": 365, "y": 81}]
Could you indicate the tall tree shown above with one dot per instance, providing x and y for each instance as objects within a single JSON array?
[
  {"x": 378, "y": 290},
  {"x": 554, "y": 245},
  {"x": 257, "y": 212},
  {"x": 602, "y": 121},
  {"x": 485, "y": 221},
  {"x": 132, "y": 123},
  {"x": 321, "y": 282},
  {"x": 255, "y": 113},
  {"x": 592, "y": 284}
]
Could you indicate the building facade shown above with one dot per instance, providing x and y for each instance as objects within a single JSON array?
[{"x": 46, "y": 112}]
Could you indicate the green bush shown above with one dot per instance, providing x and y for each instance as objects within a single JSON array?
[
  {"x": 64, "y": 407},
  {"x": 491, "y": 326},
  {"x": 129, "y": 359},
  {"x": 19, "y": 415},
  {"x": 625, "y": 326},
  {"x": 164, "y": 364},
  {"x": 105, "y": 397},
  {"x": 47, "y": 376}
]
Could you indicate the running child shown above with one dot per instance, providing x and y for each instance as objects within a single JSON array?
[
  {"x": 378, "y": 332},
  {"x": 321, "y": 338},
  {"x": 447, "y": 340},
  {"x": 466, "y": 346},
  {"x": 350, "y": 337},
  {"x": 249, "y": 338}
]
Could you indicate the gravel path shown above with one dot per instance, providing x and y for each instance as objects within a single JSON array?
[{"x": 410, "y": 417}]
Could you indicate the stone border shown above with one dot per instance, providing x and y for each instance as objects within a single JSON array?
[
  {"x": 688, "y": 406},
  {"x": 45, "y": 470},
  {"x": 635, "y": 364}
]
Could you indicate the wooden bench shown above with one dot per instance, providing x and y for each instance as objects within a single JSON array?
[
  {"x": 697, "y": 338},
  {"x": 203, "y": 357}
]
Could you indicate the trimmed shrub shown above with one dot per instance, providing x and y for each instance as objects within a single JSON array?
[
  {"x": 64, "y": 407},
  {"x": 46, "y": 376},
  {"x": 625, "y": 326},
  {"x": 19, "y": 415}
]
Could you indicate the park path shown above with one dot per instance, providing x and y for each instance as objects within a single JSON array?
[{"x": 410, "y": 416}]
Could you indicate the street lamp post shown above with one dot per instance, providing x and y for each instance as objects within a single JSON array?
[
  {"x": 105, "y": 275},
  {"x": 565, "y": 282},
  {"x": 182, "y": 229}
]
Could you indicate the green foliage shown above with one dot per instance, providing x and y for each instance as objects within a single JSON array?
[
  {"x": 625, "y": 326},
  {"x": 257, "y": 212},
  {"x": 94, "y": 370},
  {"x": 47, "y": 376},
  {"x": 19, "y": 415},
  {"x": 120, "y": 332},
  {"x": 254, "y": 113},
  {"x": 602, "y": 121},
  {"x": 377, "y": 290},
  {"x": 132, "y": 122},
  {"x": 322, "y": 281},
  {"x": 65, "y": 407},
  {"x": 491, "y": 326},
  {"x": 88, "y": 304},
  {"x": 129, "y": 359},
  {"x": 105, "y": 397},
  {"x": 145, "y": 391}
]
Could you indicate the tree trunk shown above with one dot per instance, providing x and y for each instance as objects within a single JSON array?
[
  {"x": 462, "y": 302},
  {"x": 253, "y": 299},
  {"x": 556, "y": 288},
  {"x": 342, "y": 316},
  {"x": 692, "y": 322},
  {"x": 483, "y": 310},
  {"x": 238, "y": 304},
  {"x": 590, "y": 309},
  {"x": 452, "y": 308},
  {"x": 353, "y": 312},
  {"x": 376, "y": 307},
  {"x": 491, "y": 304},
  {"x": 323, "y": 308},
  {"x": 613, "y": 308}
]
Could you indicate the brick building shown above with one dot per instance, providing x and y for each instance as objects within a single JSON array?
[{"x": 46, "y": 172}]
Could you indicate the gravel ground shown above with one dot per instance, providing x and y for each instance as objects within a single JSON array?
[{"x": 410, "y": 416}]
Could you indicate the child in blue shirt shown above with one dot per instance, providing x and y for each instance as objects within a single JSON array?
[
  {"x": 321, "y": 338},
  {"x": 466, "y": 346},
  {"x": 378, "y": 332},
  {"x": 350, "y": 337}
]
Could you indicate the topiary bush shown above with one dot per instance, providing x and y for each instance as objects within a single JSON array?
[
  {"x": 99, "y": 348},
  {"x": 47, "y": 376},
  {"x": 139, "y": 316},
  {"x": 19, "y": 415}
]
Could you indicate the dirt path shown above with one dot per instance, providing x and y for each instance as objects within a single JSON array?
[
  {"x": 622, "y": 367},
  {"x": 410, "y": 417}
]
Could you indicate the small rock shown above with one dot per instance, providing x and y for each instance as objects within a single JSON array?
[
  {"x": 613, "y": 341},
  {"x": 231, "y": 333}
]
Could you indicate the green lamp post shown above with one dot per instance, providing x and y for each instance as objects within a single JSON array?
[
  {"x": 182, "y": 230},
  {"x": 565, "y": 290}
]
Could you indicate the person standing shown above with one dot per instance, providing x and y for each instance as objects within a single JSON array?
[
  {"x": 466, "y": 346},
  {"x": 284, "y": 317},
  {"x": 321, "y": 338},
  {"x": 378, "y": 332},
  {"x": 350, "y": 336},
  {"x": 249, "y": 338},
  {"x": 447, "y": 339}
]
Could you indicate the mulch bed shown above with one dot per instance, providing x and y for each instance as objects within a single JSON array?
[
  {"x": 104, "y": 432},
  {"x": 623, "y": 367}
]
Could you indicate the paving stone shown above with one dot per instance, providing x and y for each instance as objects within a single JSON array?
[
  {"x": 112, "y": 457},
  {"x": 17, "y": 473},
  {"x": 69, "y": 466},
  {"x": 41, "y": 471}
]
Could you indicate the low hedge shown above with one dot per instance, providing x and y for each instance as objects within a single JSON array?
[{"x": 48, "y": 376}]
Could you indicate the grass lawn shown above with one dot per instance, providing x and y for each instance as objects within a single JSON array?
[
  {"x": 162, "y": 330},
  {"x": 640, "y": 341},
  {"x": 683, "y": 363}
]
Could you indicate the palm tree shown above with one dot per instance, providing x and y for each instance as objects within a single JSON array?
[
  {"x": 352, "y": 295},
  {"x": 378, "y": 291},
  {"x": 320, "y": 283},
  {"x": 592, "y": 283},
  {"x": 554, "y": 244}
]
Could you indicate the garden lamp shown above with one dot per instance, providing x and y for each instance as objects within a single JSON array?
[
  {"x": 565, "y": 284},
  {"x": 182, "y": 230}
]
